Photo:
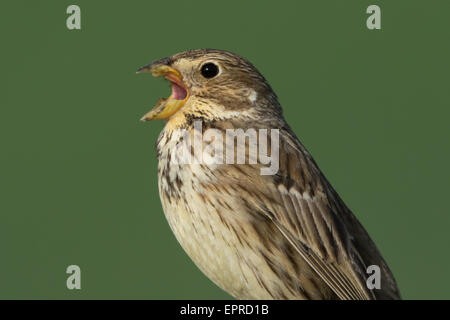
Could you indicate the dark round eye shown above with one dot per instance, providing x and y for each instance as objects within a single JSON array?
[{"x": 209, "y": 70}]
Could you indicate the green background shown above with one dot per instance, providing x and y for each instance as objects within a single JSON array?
[{"x": 78, "y": 170}]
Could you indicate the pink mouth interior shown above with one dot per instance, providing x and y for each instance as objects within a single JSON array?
[{"x": 178, "y": 92}]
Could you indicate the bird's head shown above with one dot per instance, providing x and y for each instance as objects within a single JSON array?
[{"x": 211, "y": 84}]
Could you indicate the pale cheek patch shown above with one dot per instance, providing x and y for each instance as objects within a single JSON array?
[{"x": 252, "y": 96}]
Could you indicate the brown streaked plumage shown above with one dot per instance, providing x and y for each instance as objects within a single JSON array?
[{"x": 282, "y": 236}]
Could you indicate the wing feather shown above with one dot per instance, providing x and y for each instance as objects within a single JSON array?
[{"x": 309, "y": 213}]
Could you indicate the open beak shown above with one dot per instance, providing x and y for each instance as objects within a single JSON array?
[{"x": 166, "y": 107}]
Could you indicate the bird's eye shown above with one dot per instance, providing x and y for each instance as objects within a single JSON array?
[{"x": 209, "y": 70}]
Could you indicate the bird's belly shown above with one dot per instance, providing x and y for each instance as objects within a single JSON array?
[
  {"x": 206, "y": 242},
  {"x": 214, "y": 246}
]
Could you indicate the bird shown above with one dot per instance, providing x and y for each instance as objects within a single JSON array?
[{"x": 281, "y": 235}]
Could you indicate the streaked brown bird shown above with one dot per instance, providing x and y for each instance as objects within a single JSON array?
[{"x": 286, "y": 235}]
